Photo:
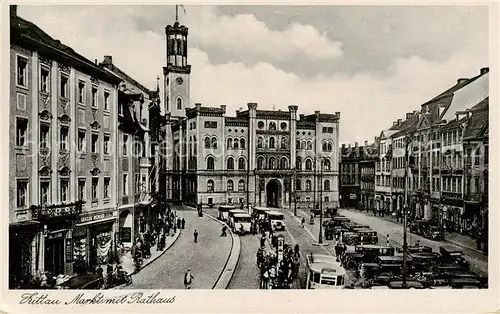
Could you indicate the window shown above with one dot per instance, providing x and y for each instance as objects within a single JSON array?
[
  {"x": 22, "y": 71},
  {"x": 260, "y": 142},
  {"x": 308, "y": 198},
  {"x": 179, "y": 103},
  {"x": 242, "y": 143},
  {"x": 230, "y": 185},
  {"x": 64, "y": 86},
  {"x": 283, "y": 126},
  {"x": 64, "y": 187},
  {"x": 230, "y": 163},
  {"x": 106, "y": 144},
  {"x": 326, "y": 185},
  {"x": 283, "y": 143},
  {"x": 327, "y": 165},
  {"x": 125, "y": 184},
  {"x": 241, "y": 186},
  {"x": 81, "y": 140},
  {"x": 63, "y": 138},
  {"x": 260, "y": 125},
  {"x": 329, "y": 146},
  {"x": 229, "y": 143},
  {"x": 210, "y": 185},
  {"x": 214, "y": 142},
  {"x": 271, "y": 142},
  {"x": 298, "y": 163},
  {"x": 95, "y": 143},
  {"x": 44, "y": 192},
  {"x": 22, "y": 193},
  {"x": 44, "y": 80},
  {"x": 44, "y": 135},
  {"x": 21, "y": 101},
  {"x": 272, "y": 163},
  {"x": 303, "y": 145},
  {"x": 283, "y": 163},
  {"x": 308, "y": 185},
  {"x": 94, "y": 97},
  {"x": 210, "y": 163},
  {"x": 297, "y": 144},
  {"x": 236, "y": 143},
  {"x": 211, "y": 124},
  {"x": 95, "y": 188},
  {"x": 125, "y": 147},
  {"x": 81, "y": 94},
  {"x": 324, "y": 147},
  {"x": 308, "y": 165},
  {"x": 106, "y": 187},
  {"x": 260, "y": 162},
  {"x": 272, "y": 126},
  {"x": 309, "y": 145},
  {"x": 486, "y": 154},
  {"x": 21, "y": 132},
  {"x": 298, "y": 185},
  {"x": 81, "y": 189},
  {"x": 327, "y": 199},
  {"x": 241, "y": 163},
  {"x": 106, "y": 100}
]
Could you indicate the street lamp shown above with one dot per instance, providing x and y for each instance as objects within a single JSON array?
[
  {"x": 405, "y": 211},
  {"x": 294, "y": 191},
  {"x": 320, "y": 236}
]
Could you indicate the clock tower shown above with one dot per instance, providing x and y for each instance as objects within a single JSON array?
[{"x": 177, "y": 72}]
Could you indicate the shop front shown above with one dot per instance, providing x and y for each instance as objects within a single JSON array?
[
  {"x": 94, "y": 240},
  {"x": 57, "y": 223},
  {"x": 24, "y": 248}
]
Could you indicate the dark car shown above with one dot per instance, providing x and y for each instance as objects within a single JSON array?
[
  {"x": 84, "y": 281},
  {"x": 409, "y": 285},
  {"x": 433, "y": 233}
]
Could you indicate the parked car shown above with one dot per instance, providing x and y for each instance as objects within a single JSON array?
[
  {"x": 433, "y": 233},
  {"x": 84, "y": 281}
]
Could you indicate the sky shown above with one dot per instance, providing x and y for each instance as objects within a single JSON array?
[{"x": 371, "y": 63}]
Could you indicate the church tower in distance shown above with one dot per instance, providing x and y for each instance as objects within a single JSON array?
[{"x": 177, "y": 72}]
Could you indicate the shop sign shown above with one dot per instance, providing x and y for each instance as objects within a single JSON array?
[
  {"x": 69, "y": 251},
  {"x": 56, "y": 235},
  {"x": 95, "y": 217}
]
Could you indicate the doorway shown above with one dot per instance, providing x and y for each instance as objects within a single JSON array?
[
  {"x": 273, "y": 193},
  {"x": 54, "y": 256}
]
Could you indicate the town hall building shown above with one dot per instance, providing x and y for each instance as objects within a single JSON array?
[{"x": 270, "y": 158}]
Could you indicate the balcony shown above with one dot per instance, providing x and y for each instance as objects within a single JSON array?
[{"x": 45, "y": 212}]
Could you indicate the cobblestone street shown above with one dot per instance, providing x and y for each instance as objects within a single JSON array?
[{"x": 205, "y": 258}]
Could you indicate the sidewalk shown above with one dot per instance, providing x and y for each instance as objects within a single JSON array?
[{"x": 453, "y": 238}]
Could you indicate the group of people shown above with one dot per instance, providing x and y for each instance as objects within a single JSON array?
[{"x": 278, "y": 272}]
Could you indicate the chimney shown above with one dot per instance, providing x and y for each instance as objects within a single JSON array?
[
  {"x": 483, "y": 71},
  {"x": 13, "y": 10},
  {"x": 95, "y": 61},
  {"x": 356, "y": 144},
  {"x": 462, "y": 80},
  {"x": 408, "y": 115},
  {"x": 366, "y": 143},
  {"x": 394, "y": 123},
  {"x": 400, "y": 121},
  {"x": 301, "y": 116},
  {"x": 108, "y": 59}
]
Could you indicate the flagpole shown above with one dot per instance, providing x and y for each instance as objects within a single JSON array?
[{"x": 176, "y": 13}]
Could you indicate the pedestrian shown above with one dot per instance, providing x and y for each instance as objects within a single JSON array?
[
  {"x": 195, "y": 234},
  {"x": 188, "y": 279},
  {"x": 303, "y": 222},
  {"x": 183, "y": 223},
  {"x": 179, "y": 223},
  {"x": 223, "y": 233}
]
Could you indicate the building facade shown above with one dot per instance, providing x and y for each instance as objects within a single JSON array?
[
  {"x": 63, "y": 112},
  {"x": 350, "y": 175},
  {"x": 258, "y": 157},
  {"x": 367, "y": 168}
]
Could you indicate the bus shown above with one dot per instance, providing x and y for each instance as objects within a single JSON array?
[
  {"x": 230, "y": 215},
  {"x": 260, "y": 212},
  {"x": 324, "y": 272},
  {"x": 223, "y": 211},
  {"x": 241, "y": 223},
  {"x": 276, "y": 220}
]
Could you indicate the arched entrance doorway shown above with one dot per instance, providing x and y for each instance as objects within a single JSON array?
[{"x": 273, "y": 193}]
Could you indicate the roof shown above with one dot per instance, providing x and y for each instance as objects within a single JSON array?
[
  {"x": 27, "y": 33},
  {"x": 407, "y": 126},
  {"x": 468, "y": 96},
  {"x": 477, "y": 125}
]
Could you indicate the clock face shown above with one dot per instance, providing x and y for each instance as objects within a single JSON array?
[{"x": 179, "y": 80}]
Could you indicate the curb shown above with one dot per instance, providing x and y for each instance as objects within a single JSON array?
[
  {"x": 152, "y": 259},
  {"x": 232, "y": 260}
]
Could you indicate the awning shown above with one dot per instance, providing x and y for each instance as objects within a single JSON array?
[
  {"x": 94, "y": 222},
  {"x": 26, "y": 223}
]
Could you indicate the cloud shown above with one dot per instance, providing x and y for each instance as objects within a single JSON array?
[{"x": 368, "y": 101}]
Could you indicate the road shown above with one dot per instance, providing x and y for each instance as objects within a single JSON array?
[
  {"x": 205, "y": 258},
  {"x": 479, "y": 262}
]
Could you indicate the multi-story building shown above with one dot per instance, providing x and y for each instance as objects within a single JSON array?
[
  {"x": 367, "y": 170},
  {"x": 137, "y": 213},
  {"x": 62, "y": 116},
  {"x": 246, "y": 159},
  {"x": 476, "y": 147},
  {"x": 399, "y": 161},
  {"x": 350, "y": 175}
]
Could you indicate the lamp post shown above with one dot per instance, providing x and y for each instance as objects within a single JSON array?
[
  {"x": 294, "y": 191},
  {"x": 405, "y": 211},
  {"x": 320, "y": 236}
]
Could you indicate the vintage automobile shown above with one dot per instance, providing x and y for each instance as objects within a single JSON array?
[
  {"x": 367, "y": 236},
  {"x": 394, "y": 264},
  {"x": 418, "y": 226},
  {"x": 452, "y": 255},
  {"x": 409, "y": 285},
  {"x": 349, "y": 238},
  {"x": 424, "y": 261},
  {"x": 337, "y": 220},
  {"x": 84, "y": 281},
  {"x": 366, "y": 255},
  {"x": 433, "y": 233},
  {"x": 351, "y": 225},
  {"x": 466, "y": 283}
]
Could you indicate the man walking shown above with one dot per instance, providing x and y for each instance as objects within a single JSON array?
[
  {"x": 188, "y": 279},
  {"x": 183, "y": 223},
  {"x": 195, "y": 234}
]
